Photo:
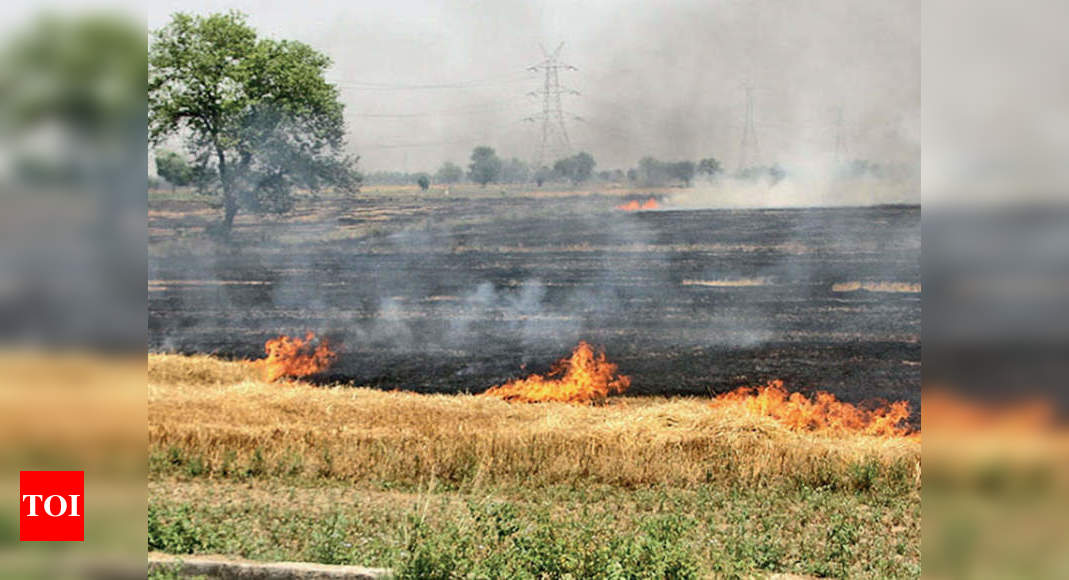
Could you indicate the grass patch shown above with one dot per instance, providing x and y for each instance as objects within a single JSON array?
[{"x": 587, "y": 532}]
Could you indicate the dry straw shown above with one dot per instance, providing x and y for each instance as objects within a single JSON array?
[{"x": 223, "y": 413}]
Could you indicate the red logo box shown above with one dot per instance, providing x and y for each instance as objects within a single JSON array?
[{"x": 51, "y": 506}]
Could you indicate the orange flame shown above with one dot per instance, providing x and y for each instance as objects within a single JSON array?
[
  {"x": 635, "y": 205},
  {"x": 821, "y": 412},
  {"x": 586, "y": 377},
  {"x": 294, "y": 357}
]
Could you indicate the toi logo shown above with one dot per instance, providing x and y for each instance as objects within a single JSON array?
[{"x": 51, "y": 506}]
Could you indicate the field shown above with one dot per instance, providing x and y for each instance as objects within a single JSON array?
[
  {"x": 391, "y": 459},
  {"x": 449, "y": 294},
  {"x": 435, "y": 484}
]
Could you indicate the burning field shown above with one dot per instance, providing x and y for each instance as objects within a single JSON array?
[
  {"x": 295, "y": 357},
  {"x": 636, "y": 205},
  {"x": 633, "y": 441},
  {"x": 711, "y": 487},
  {"x": 537, "y": 387},
  {"x": 585, "y": 377},
  {"x": 457, "y": 295},
  {"x": 821, "y": 412}
]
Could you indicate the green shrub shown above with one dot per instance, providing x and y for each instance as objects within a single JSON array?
[{"x": 173, "y": 531}]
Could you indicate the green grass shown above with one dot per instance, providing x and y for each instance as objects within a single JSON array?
[
  {"x": 561, "y": 531},
  {"x": 171, "y": 572}
]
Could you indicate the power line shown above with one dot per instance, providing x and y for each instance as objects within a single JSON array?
[
  {"x": 422, "y": 144},
  {"x": 448, "y": 112},
  {"x": 413, "y": 145},
  {"x": 469, "y": 84}
]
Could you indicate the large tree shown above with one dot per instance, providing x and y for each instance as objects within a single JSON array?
[
  {"x": 485, "y": 165},
  {"x": 256, "y": 113}
]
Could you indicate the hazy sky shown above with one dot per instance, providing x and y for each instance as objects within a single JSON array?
[{"x": 424, "y": 82}]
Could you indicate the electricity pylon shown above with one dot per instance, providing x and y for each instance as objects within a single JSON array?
[{"x": 555, "y": 143}]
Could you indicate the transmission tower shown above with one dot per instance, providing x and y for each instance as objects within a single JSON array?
[
  {"x": 749, "y": 153},
  {"x": 555, "y": 143}
]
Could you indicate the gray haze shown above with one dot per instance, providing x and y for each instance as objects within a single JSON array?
[{"x": 423, "y": 82}]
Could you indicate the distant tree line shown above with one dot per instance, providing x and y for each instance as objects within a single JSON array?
[{"x": 486, "y": 167}]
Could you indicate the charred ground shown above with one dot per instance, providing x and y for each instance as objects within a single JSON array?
[{"x": 459, "y": 294}]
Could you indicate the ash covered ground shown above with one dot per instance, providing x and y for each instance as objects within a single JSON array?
[{"x": 459, "y": 294}]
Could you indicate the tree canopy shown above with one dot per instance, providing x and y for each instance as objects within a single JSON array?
[
  {"x": 255, "y": 112},
  {"x": 485, "y": 165},
  {"x": 682, "y": 170},
  {"x": 577, "y": 168},
  {"x": 655, "y": 172},
  {"x": 423, "y": 181},
  {"x": 542, "y": 175}
]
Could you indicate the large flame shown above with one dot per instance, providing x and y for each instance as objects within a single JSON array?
[
  {"x": 295, "y": 357},
  {"x": 586, "y": 377},
  {"x": 821, "y": 412},
  {"x": 635, "y": 205}
]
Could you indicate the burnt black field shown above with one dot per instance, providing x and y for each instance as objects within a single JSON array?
[{"x": 459, "y": 294}]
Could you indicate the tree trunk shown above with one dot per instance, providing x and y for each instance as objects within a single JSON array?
[
  {"x": 230, "y": 209},
  {"x": 230, "y": 203}
]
